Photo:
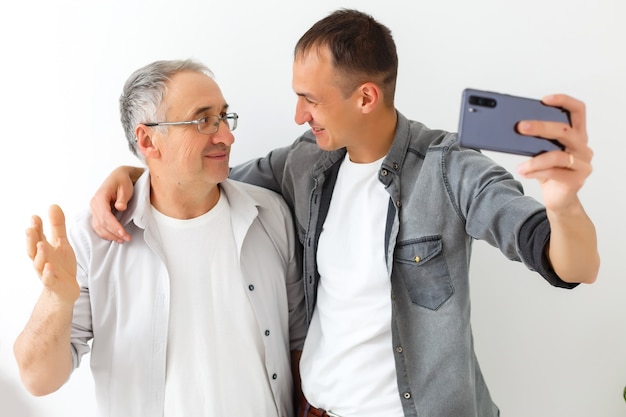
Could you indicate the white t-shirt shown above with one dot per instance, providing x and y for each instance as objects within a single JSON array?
[
  {"x": 347, "y": 363},
  {"x": 215, "y": 355}
]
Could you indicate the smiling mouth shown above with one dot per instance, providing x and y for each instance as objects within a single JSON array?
[{"x": 217, "y": 153}]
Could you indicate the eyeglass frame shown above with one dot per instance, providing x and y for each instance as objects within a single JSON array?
[{"x": 227, "y": 116}]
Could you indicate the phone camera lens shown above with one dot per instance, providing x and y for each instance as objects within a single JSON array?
[{"x": 482, "y": 101}]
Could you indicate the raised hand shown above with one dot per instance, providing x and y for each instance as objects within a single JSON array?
[
  {"x": 53, "y": 259},
  {"x": 573, "y": 249},
  {"x": 560, "y": 173}
]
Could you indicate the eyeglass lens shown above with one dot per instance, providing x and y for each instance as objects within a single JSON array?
[{"x": 212, "y": 124}]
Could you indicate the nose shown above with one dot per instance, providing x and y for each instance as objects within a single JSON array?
[
  {"x": 302, "y": 115},
  {"x": 223, "y": 135}
]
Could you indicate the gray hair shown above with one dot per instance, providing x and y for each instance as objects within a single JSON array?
[{"x": 144, "y": 91}]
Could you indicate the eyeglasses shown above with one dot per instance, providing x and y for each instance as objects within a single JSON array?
[{"x": 207, "y": 125}]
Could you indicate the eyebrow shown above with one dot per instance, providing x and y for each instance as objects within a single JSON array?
[
  {"x": 205, "y": 109},
  {"x": 308, "y": 96}
]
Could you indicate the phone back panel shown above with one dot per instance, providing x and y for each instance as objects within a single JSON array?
[{"x": 488, "y": 121}]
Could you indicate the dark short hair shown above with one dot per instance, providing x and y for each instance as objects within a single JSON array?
[{"x": 362, "y": 50}]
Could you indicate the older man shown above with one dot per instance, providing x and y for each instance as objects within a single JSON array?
[{"x": 198, "y": 314}]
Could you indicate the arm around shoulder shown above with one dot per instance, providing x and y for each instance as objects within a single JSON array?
[{"x": 115, "y": 192}]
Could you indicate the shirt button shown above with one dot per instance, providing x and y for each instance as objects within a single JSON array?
[
  {"x": 399, "y": 349},
  {"x": 267, "y": 333},
  {"x": 274, "y": 376},
  {"x": 395, "y": 165},
  {"x": 407, "y": 395},
  {"x": 383, "y": 172},
  {"x": 398, "y": 203},
  {"x": 417, "y": 259},
  {"x": 251, "y": 287}
]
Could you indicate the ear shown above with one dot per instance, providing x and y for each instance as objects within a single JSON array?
[
  {"x": 370, "y": 96},
  {"x": 145, "y": 142}
]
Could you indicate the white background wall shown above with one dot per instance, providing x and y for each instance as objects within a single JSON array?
[{"x": 544, "y": 352}]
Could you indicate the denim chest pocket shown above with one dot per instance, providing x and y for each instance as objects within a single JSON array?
[{"x": 423, "y": 269}]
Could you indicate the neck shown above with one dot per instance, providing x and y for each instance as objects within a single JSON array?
[
  {"x": 377, "y": 135},
  {"x": 183, "y": 203}
]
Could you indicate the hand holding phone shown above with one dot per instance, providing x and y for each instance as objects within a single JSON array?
[{"x": 489, "y": 121}]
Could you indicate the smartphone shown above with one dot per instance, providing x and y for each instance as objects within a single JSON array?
[{"x": 488, "y": 121}]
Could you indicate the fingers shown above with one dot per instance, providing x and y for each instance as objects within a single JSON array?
[
  {"x": 38, "y": 248},
  {"x": 40, "y": 257},
  {"x": 573, "y": 137},
  {"x": 115, "y": 192},
  {"x": 34, "y": 234},
  {"x": 107, "y": 227},
  {"x": 57, "y": 224},
  {"x": 570, "y": 166},
  {"x": 53, "y": 258},
  {"x": 576, "y": 108},
  {"x": 104, "y": 223},
  {"x": 565, "y": 162},
  {"x": 562, "y": 166}
]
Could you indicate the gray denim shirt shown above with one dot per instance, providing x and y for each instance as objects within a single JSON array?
[{"x": 442, "y": 197}]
